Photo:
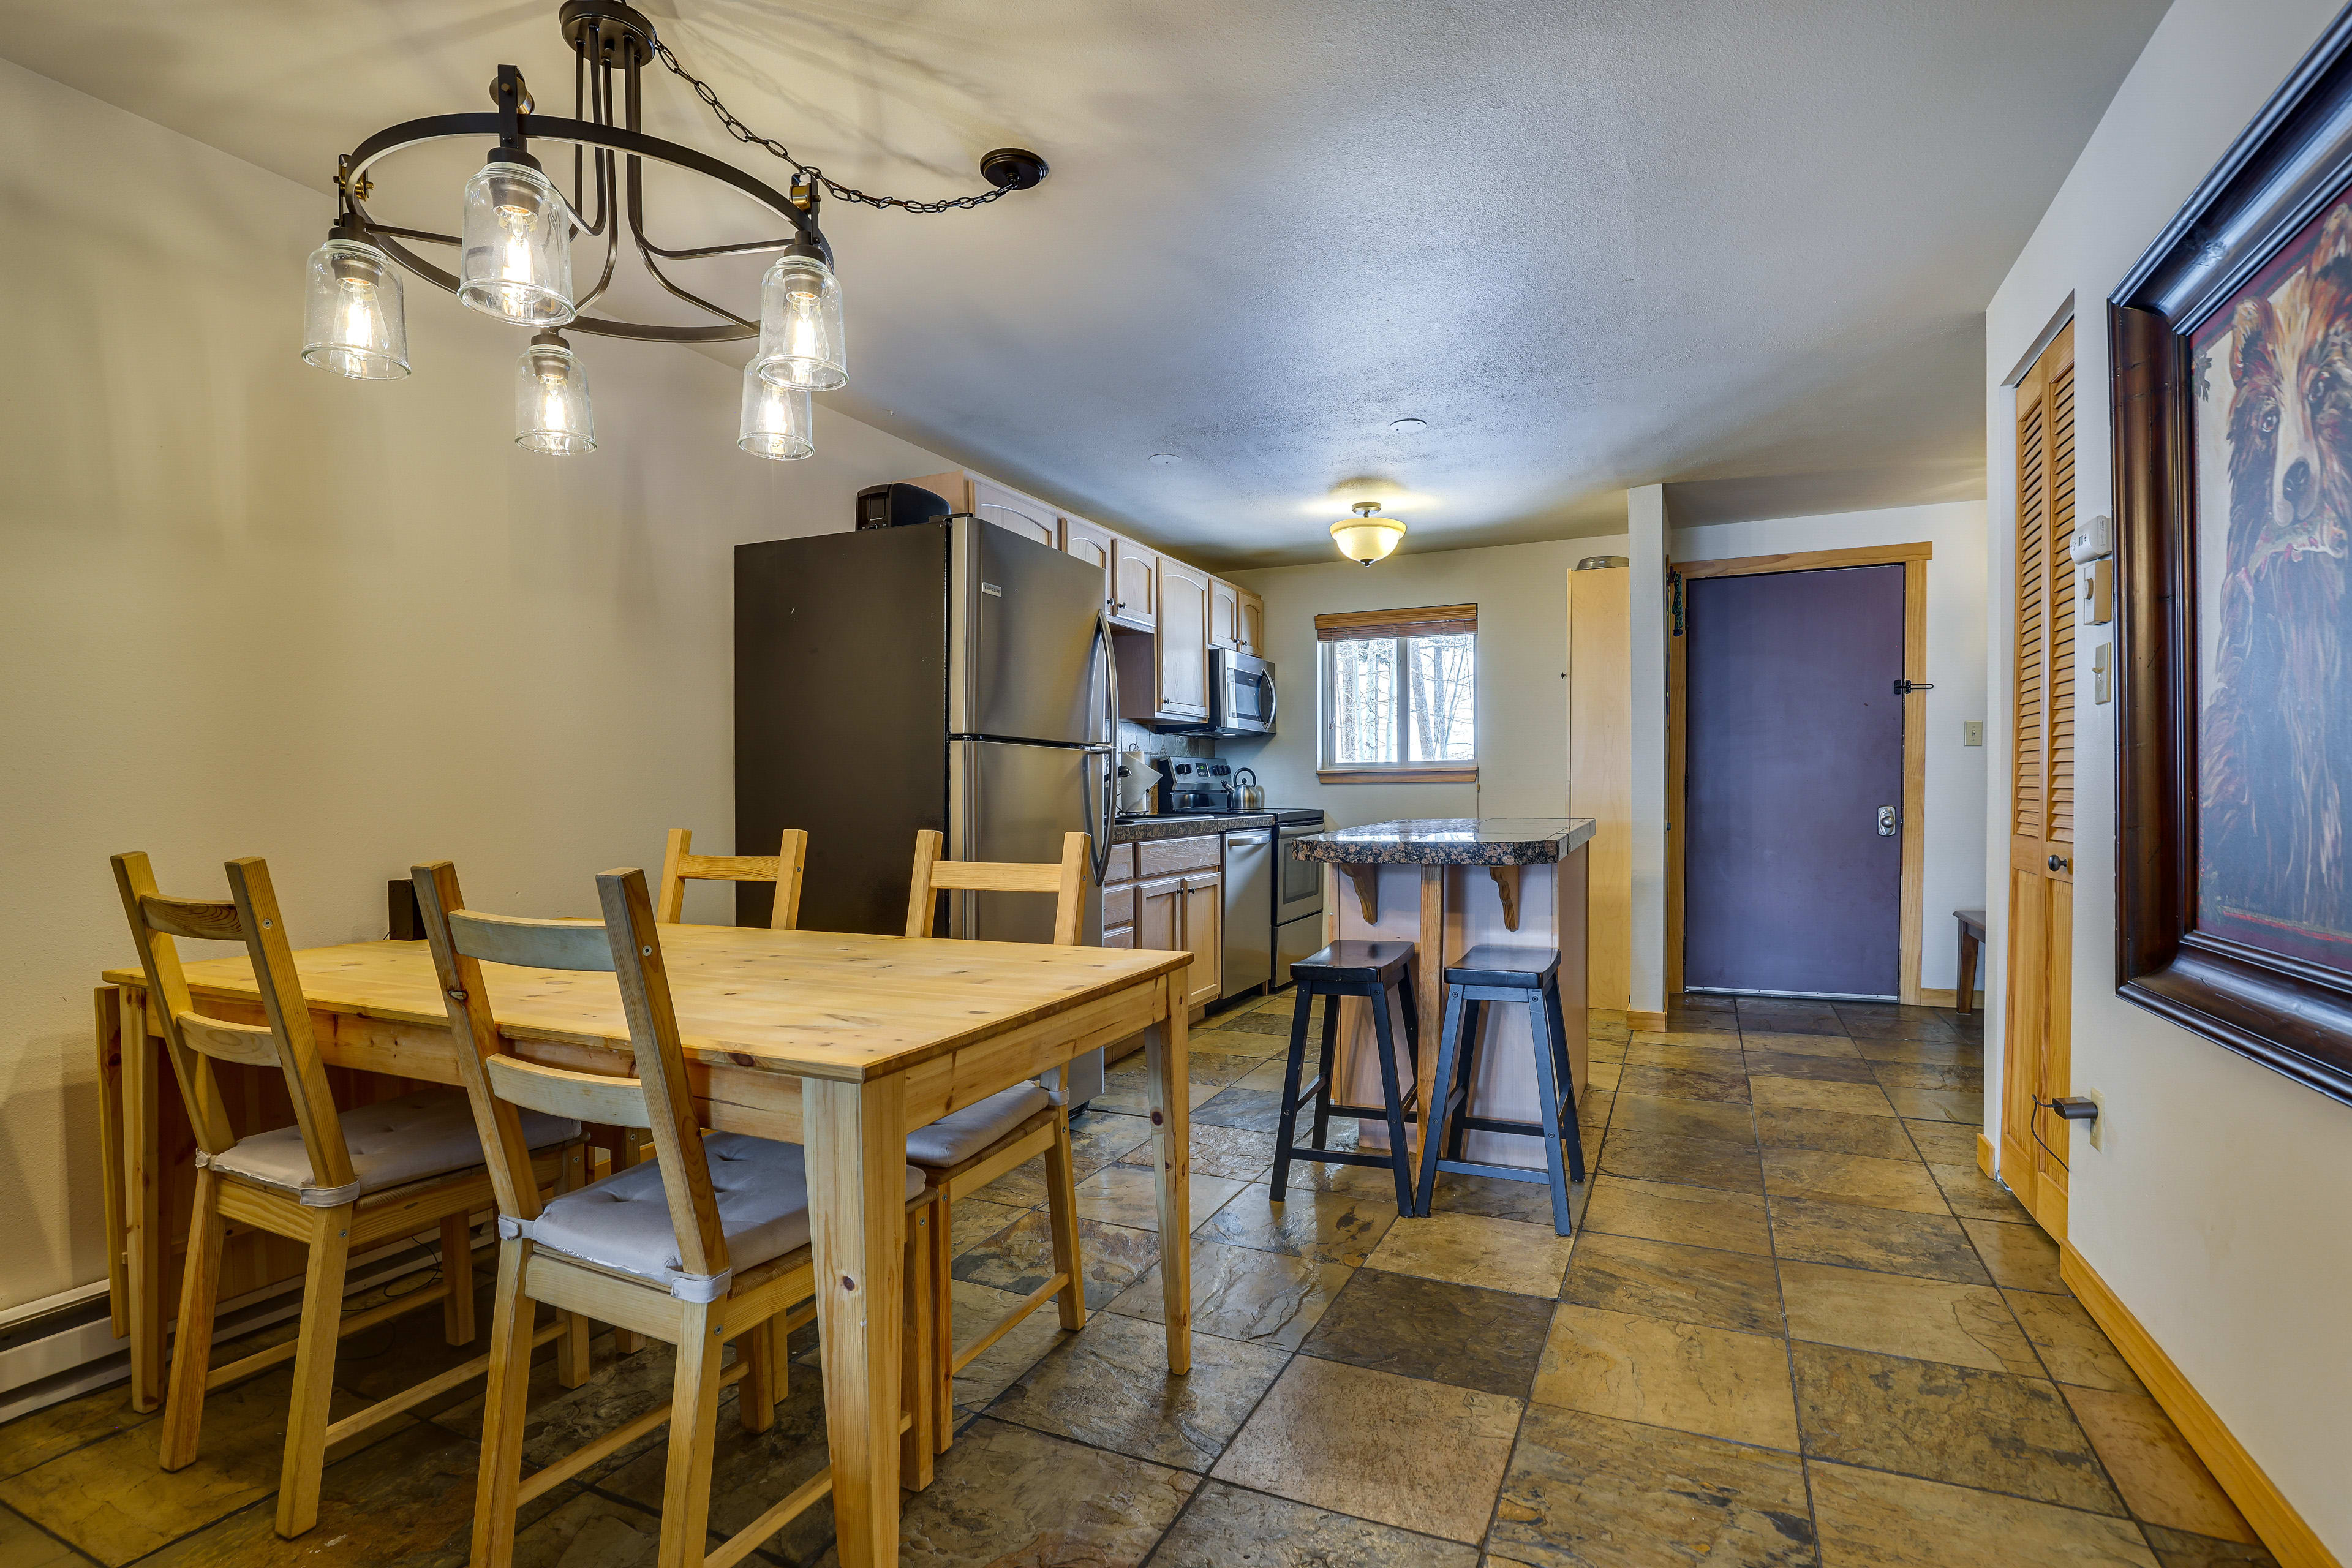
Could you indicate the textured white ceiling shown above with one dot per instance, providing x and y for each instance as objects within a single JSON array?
[{"x": 1743, "y": 249}]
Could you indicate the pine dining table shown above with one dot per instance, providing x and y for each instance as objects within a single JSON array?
[{"x": 838, "y": 1042}]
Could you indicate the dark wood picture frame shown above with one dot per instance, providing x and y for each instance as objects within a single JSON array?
[{"x": 2292, "y": 162}]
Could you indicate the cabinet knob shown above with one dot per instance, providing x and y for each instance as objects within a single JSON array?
[{"x": 2058, "y": 862}]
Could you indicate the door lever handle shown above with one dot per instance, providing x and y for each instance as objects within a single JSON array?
[{"x": 1905, "y": 688}]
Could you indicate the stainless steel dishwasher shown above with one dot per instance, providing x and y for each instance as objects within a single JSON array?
[{"x": 1248, "y": 962}]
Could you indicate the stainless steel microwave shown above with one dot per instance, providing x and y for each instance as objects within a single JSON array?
[{"x": 1241, "y": 693}]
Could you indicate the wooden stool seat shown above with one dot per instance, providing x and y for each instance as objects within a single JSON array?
[
  {"x": 1523, "y": 976},
  {"x": 1357, "y": 962},
  {"x": 1381, "y": 974},
  {"x": 1491, "y": 963}
]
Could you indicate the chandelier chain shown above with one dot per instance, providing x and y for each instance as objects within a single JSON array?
[{"x": 833, "y": 188}]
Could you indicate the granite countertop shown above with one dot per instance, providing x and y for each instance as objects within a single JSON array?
[
  {"x": 1186, "y": 826},
  {"x": 1450, "y": 841}
]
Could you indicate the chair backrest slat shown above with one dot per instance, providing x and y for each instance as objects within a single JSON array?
[
  {"x": 560, "y": 1091},
  {"x": 680, "y": 866},
  {"x": 529, "y": 944},
  {"x": 1067, "y": 881},
  {"x": 658, "y": 1098},
  {"x": 250, "y": 916},
  {"x": 254, "y": 1045},
  {"x": 198, "y": 920}
]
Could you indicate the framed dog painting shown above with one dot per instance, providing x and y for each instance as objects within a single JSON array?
[{"x": 2231, "y": 347}]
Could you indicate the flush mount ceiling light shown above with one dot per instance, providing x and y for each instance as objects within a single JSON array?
[
  {"x": 1407, "y": 426},
  {"x": 1369, "y": 537},
  {"x": 1165, "y": 459},
  {"x": 514, "y": 260}
]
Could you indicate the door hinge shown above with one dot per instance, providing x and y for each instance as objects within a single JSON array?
[{"x": 1905, "y": 688}]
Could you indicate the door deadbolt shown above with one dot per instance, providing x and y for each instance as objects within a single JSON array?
[{"x": 1887, "y": 817}]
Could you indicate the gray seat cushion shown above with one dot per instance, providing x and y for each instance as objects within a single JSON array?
[
  {"x": 959, "y": 1135},
  {"x": 391, "y": 1143},
  {"x": 622, "y": 1222}
]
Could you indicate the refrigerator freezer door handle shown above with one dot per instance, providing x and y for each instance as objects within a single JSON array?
[{"x": 1100, "y": 802}]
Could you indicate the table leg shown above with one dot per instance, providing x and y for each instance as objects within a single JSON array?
[
  {"x": 142, "y": 1198},
  {"x": 1167, "y": 1049},
  {"x": 1964, "y": 998},
  {"x": 108, "y": 1010},
  {"x": 856, "y": 1138},
  {"x": 1429, "y": 992}
]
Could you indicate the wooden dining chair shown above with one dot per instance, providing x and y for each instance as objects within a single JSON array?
[
  {"x": 965, "y": 1150},
  {"x": 708, "y": 1243},
  {"x": 338, "y": 1181},
  {"x": 681, "y": 866}
]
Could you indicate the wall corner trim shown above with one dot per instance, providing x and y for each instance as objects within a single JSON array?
[{"x": 2283, "y": 1530}]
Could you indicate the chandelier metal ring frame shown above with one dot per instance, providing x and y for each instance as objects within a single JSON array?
[
  {"x": 581, "y": 132},
  {"x": 520, "y": 225}
]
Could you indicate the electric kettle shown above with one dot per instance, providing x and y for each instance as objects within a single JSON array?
[
  {"x": 1248, "y": 796},
  {"x": 1136, "y": 775}
]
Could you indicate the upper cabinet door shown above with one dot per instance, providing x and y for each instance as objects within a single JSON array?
[
  {"x": 1252, "y": 620},
  {"x": 1224, "y": 615},
  {"x": 1135, "y": 585},
  {"x": 1025, "y": 515},
  {"x": 1183, "y": 641},
  {"x": 1090, "y": 544}
]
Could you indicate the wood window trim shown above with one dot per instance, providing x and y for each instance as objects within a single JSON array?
[
  {"x": 1400, "y": 772},
  {"x": 1913, "y": 558},
  {"x": 1378, "y": 626}
]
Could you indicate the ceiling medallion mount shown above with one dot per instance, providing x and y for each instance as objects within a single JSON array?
[{"x": 514, "y": 260}]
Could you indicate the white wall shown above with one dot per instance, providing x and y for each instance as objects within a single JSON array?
[
  {"x": 1955, "y": 837},
  {"x": 1521, "y": 591},
  {"x": 249, "y": 607},
  {"x": 2218, "y": 1208},
  {"x": 1645, "y": 629}
]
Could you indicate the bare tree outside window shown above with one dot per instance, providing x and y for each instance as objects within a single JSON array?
[{"x": 1401, "y": 701}]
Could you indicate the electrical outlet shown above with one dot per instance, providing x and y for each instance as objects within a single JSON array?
[
  {"x": 1972, "y": 733},
  {"x": 2098, "y": 1130}
]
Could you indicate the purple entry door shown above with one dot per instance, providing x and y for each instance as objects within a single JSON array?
[{"x": 1794, "y": 746}]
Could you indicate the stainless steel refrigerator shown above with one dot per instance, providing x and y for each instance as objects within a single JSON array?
[{"x": 949, "y": 675}]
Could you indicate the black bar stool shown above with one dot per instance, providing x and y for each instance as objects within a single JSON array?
[
  {"x": 1509, "y": 974},
  {"x": 1370, "y": 970}
]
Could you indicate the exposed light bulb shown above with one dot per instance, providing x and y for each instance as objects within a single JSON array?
[
  {"x": 352, "y": 320},
  {"x": 517, "y": 259},
  {"x": 801, "y": 342},
  {"x": 552, "y": 409},
  {"x": 778, "y": 421}
]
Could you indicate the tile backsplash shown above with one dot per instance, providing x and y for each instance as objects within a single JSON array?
[{"x": 1152, "y": 743}]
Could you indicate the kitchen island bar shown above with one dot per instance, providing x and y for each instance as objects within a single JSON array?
[{"x": 1447, "y": 884}]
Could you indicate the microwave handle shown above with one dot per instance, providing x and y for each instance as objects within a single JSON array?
[{"x": 1275, "y": 693}]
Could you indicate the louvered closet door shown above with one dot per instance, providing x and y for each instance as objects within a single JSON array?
[{"x": 2041, "y": 826}]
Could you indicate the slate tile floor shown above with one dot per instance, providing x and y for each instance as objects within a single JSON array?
[{"x": 1798, "y": 1327}]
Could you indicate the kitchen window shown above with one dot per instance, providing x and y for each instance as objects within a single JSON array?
[{"x": 1399, "y": 696}]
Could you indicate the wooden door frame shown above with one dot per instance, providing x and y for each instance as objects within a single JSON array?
[{"x": 1913, "y": 558}]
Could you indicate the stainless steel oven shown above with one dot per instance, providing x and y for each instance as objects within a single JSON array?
[
  {"x": 1241, "y": 693},
  {"x": 1297, "y": 893}
]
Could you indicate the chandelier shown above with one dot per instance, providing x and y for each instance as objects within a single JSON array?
[{"x": 514, "y": 247}]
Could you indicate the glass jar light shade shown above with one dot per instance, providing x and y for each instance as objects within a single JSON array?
[
  {"x": 778, "y": 421},
  {"x": 800, "y": 326},
  {"x": 551, "y": 412},
  {"x": 353, "y": 322},
  {"x": 1367, "y": 537},
  {"x": 516, "y": 259}
]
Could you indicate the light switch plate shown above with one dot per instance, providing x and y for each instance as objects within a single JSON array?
[{"x": 1972, "y": 733}]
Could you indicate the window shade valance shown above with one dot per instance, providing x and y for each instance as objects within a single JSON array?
[{"x": 1364, "y": 626}]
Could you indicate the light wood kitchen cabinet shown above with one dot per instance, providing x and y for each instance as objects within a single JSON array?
[
  {"x": 1169, "y": 895},
  {"x": 1001, "y": 504},
  {"x": 1205, "y": 934},
  {"x": 1182, "y": 645},
  {"x": 1134, "y": 585},
  {"x": 1253, "y": 622},
  {"x": 1091, "y": 544},
  {"x": 1224, "y": 615}
]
